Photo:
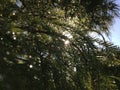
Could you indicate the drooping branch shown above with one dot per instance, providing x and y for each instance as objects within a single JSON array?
[{"x": 50, "y": 33}]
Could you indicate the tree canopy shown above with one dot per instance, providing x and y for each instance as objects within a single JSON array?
[{"x": 47, "y": 45}]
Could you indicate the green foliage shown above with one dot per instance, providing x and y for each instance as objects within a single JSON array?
[{"x": 46, "y": 45}]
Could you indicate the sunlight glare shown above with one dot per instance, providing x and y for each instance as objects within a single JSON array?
[
  {"x": 31, "y": 66},
  {"x": 67, "y": 34},
  {"x": 66, "y": 42}
]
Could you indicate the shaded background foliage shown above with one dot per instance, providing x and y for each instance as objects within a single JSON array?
[{"x": 46, "y": 45}]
